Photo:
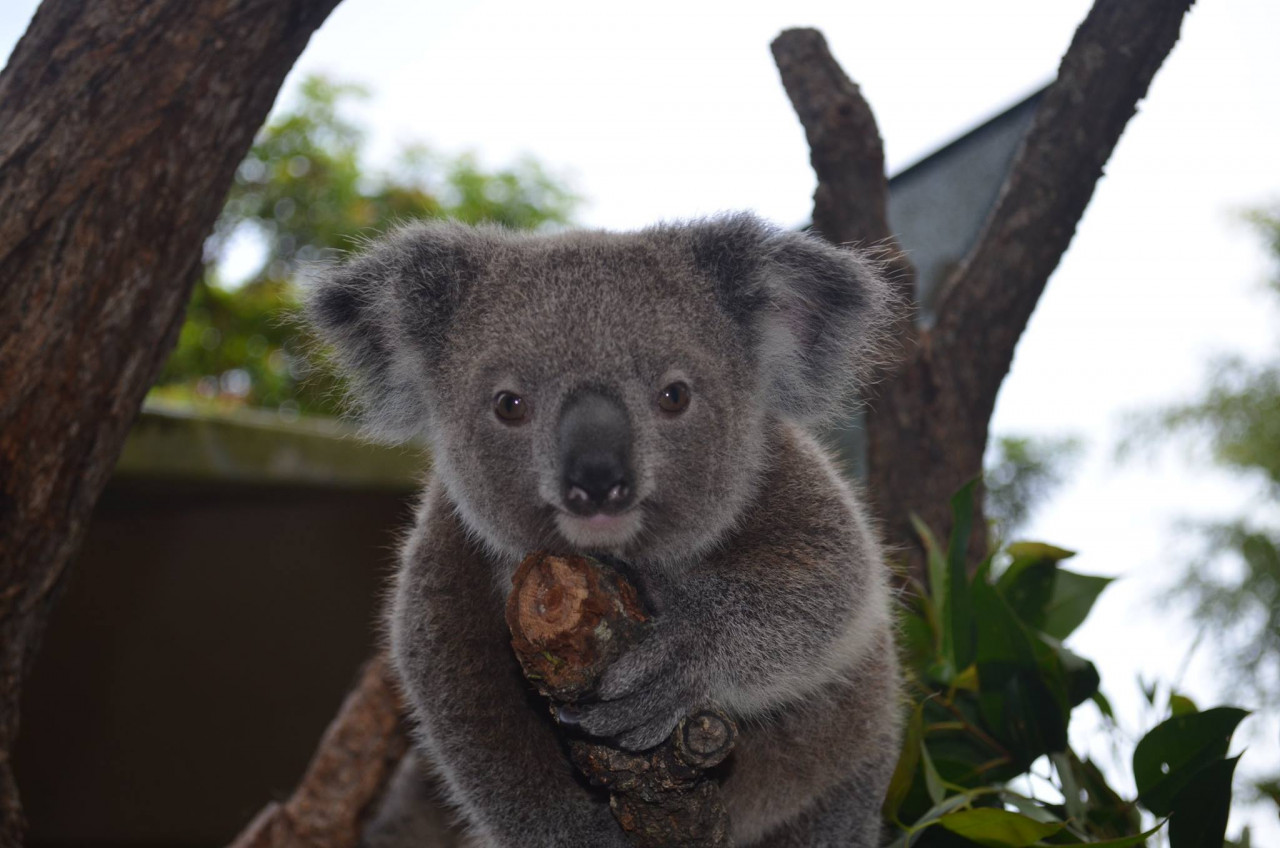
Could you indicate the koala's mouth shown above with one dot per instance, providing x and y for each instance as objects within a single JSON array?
[{"x": 602, "y": 530}]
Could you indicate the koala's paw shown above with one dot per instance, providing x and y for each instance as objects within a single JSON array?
[{"x": 645, "y": 693}]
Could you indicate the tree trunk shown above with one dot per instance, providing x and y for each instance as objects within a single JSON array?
[{"x": 124, "y": 123}]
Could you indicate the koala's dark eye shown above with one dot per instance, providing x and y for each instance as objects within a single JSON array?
[
  {"x": 510, "y": 408},
  {"x": 674, "y": 398}
]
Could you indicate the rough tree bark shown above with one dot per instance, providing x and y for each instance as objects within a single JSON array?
[
  {"x": 928, "y": 418},
  {"x": 124, "y": 123}
]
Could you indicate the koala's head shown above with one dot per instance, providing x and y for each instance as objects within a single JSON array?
[{"x": 594, "y": 391}]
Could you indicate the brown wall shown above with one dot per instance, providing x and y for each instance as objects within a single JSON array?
[{"x": 207, "y": 635}]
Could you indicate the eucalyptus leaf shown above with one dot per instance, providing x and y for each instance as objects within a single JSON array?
[
  {"x": 996, "y": 828},
  {"x": 1022, "y": 697},
  {"x": 1037, "y": 551},
  {"x": 1128, "y": 841},
  {"x": 937, "y": 589},
  {"x": 1073, "y": 597},
  {"x": 905, "y": 771},
  {"x": 1201, "y": 808},
  {"x": 932, "y": 782},
  {"x": 1027, "y": 584},
  {"x": 1170, "y": 756}
]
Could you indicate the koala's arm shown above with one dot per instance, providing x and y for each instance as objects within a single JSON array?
[
  {"x": 796, "y": 597},
  {"x": 491, "y": 740}
]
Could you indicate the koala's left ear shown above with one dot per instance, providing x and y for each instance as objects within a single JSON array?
[
  {"x": 819, "y": 311},
  {"x": 828, "y": 310}
]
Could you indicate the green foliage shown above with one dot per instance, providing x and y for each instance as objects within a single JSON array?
[
  {"x": 304, "y": 194},
  {"x": 993, "y": 691}
]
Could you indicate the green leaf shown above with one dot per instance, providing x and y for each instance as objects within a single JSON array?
[
  {"x": 1148, "y": 690},
  {"x": 937, "y": 811},
  {"x": 958, "y": 616},
  {"x": 1037, "y": 551},
  {"x": 1128, "y": 841},
  {"x": 1168, "y": 757},
  {"x": 905, "y": 771},
  {"x": 937, "y": 566},
  {"x": 1045, "y": 596},
  {"x": 1201, "y": 808},
  {"x": 1073, "y": 597},
  {"x": 1073, "y": 794},
  {"x": 1104, "y": 705},
  {"x": 998, "y": 828},
  {"x": 932, "y": 782},
  {"x": 1181, "y": 704},
  {"x": 1027, "y": 584},
  {"x": 1029, "y": 808},
  {"x": 1081, "y": 675},
  {"x": 1023, "y": 695}
]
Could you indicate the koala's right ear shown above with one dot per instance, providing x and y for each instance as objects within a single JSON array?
[{"x": 385, "y": 311}]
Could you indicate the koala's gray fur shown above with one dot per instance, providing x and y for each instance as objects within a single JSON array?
[{"x": 768, "y": 585}]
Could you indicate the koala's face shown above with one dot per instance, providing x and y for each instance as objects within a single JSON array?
[
  {"x": 592, "y": 391},
  {"x": 594, "y": 396}
]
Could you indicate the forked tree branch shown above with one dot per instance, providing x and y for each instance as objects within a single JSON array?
[{"x": 928, "y": 420}]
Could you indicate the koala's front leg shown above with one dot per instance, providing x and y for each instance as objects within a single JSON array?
[
  {"x": 495, "y": 746},
  {"x": 747, "y": 629}
]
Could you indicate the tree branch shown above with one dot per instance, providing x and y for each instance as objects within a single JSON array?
[
  {"x": 123, "y": 127},
  {"x": 850, "y": 202},
  {"x": 1105, "y": 72},
  {"x": 844, "y": 143},
  {"x": 351, "y": 767}
]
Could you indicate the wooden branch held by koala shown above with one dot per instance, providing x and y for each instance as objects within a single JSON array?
[{"x": 570, "y": 618}]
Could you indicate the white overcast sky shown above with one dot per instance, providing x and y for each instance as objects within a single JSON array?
[{"x": 672, "y": 109}]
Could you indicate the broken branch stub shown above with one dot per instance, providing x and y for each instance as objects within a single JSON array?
[{"x": 570, "y": 618}]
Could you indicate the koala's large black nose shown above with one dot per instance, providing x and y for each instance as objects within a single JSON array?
[{"x": 595, "y": 454}]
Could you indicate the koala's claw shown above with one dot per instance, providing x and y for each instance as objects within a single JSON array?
[
  {"x": 664, "y": 659},
  {"x": 650, "y": 735},
  {"x": 640, "y": 715},
  {"x": 644, "y": 694}
]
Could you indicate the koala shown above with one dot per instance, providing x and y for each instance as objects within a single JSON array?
[{"x": 647, "y": 396}]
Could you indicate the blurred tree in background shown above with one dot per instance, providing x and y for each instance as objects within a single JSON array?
[
  {"x": 1021, "y": 474},
  {"x": 1233, "y": 586},
  {"x": 305, "y": 194}
]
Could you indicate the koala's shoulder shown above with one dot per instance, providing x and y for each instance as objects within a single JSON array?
[{"x": 805, "y": 503}]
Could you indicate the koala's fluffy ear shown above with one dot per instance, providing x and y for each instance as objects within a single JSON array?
[
  {"x": 385, "y": 312},
  {"x": 819, "y": 311}
]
